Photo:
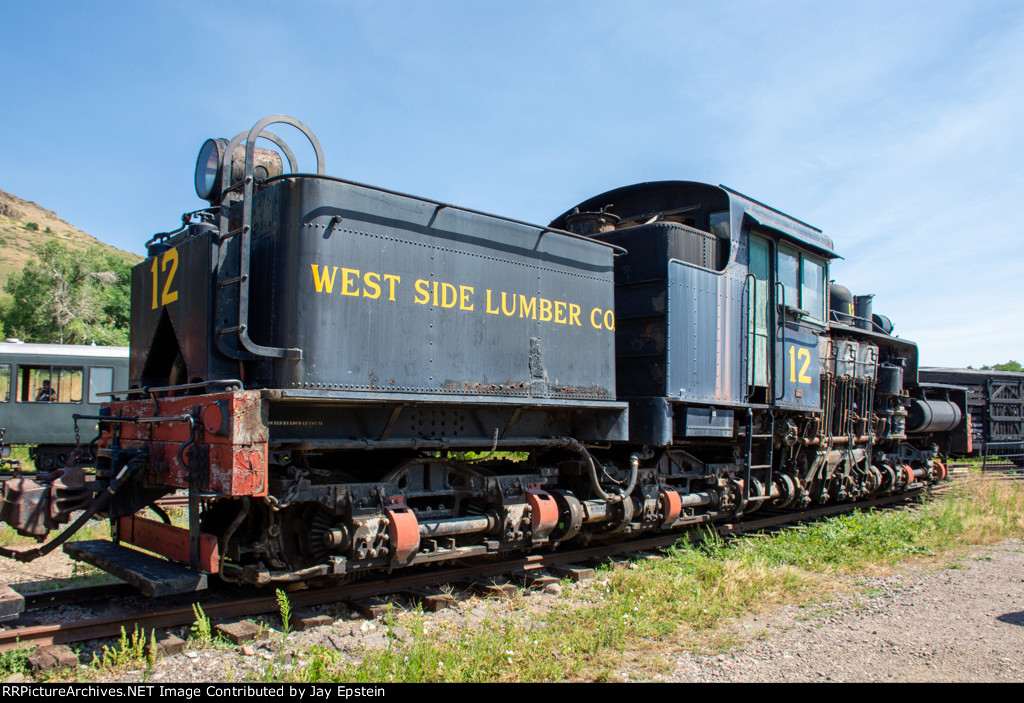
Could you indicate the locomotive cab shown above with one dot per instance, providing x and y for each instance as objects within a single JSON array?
[{"x": 734, "y": 362}]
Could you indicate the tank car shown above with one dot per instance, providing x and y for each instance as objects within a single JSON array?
[
  {"x": 349, "y": 379},
  {"x": 995, "y": 411}
]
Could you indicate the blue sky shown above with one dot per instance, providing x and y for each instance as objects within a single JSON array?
[{"x": 895, "y": 127}]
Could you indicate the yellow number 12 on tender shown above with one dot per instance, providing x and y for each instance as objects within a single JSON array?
[
  {"x": 170, "y": 259},
  {"x": 805, "y": 356}
]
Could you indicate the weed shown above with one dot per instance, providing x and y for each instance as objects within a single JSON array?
[
  {"x": 202, "y": 630},
  {"x": 128, "y": 652},
  {"x": 285, "y": 608},
  {"x": 14, "y": 661}
]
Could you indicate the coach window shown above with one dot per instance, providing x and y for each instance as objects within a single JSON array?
[
  {"x": 5, "y": 383},
  {"x": 101, "y": 380},
  {"x": 50, "y": 384}
]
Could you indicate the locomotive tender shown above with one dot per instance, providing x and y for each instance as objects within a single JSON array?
[{"x": 349, "y": 379}]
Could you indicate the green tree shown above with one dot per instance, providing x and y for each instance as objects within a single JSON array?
[
  {"x": 70, "y": 297},
  {"x": 1008, "y": 366}
]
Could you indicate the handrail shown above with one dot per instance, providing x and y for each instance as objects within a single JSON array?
[
  {"x": 747, "y": 350},
  {"x": 780, "y": 326},
  {"x": 248, "y": 184},
  {"x": 834, "y": 315},
  {"x": 228, "y": 383}
]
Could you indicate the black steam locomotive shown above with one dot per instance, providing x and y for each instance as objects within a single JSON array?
[{"x": 347, "y": 378}]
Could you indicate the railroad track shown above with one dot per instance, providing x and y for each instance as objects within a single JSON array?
[
  {"x": 227, "y": 602},
  {"x": 993, "y": 471}
]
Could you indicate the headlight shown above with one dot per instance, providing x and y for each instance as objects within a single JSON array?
[{"x": 208, "y": 166}]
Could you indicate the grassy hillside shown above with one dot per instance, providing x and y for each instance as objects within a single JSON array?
[{"x": 25, "y": 225}]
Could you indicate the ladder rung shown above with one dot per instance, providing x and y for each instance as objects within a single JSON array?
[{"x": 231, "y": 233}]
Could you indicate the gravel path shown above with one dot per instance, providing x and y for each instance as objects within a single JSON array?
[{"x": 963, "y": 624}]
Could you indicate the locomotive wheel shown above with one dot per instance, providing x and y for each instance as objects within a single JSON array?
[
  {"x": 570, "y": 516},
  {"x": 787, "y": 491},
  {"x": 873, "y": 481},
  {"x": 304, "y": 527},
  {"x": 736, "y": 499},
  {"x": 907, "y": 474},
  {"x": 756, "y": 491},
  {"x": 888, "y": 478},
  {"x": 623, "y": 512}
]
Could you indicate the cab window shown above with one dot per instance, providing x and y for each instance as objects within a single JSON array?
[
  {"x": 812, "y": 290},
  {"x": 719, "y": 224},
  {"x": 803, "y": 278},
  {"x": 5, "y": 383},
  {"x": 789, "y": 275}
]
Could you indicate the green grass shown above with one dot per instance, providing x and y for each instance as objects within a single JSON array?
[
  {"x": 94, "y": 529},
  {"x": 20, "y": 452},
  {"x": 81, "y": 575},
  {"x": 640, "y": 616},
  {"x": 14, "y": 661}
]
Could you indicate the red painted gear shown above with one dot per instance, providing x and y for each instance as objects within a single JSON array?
[
  {"x": 404, "y": 533},
  {"x": 909, "y": 472},
  {"x": 545, "y": 512},
  {"x": 672, "y": 504}
]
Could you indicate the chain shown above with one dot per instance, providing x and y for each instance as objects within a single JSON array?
[{"x": 76, "y": 455}]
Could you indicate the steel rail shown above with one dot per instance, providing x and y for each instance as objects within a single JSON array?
[{"x": 246, "y": 606}]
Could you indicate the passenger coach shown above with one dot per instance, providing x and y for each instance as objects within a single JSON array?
[{"x": 43, "y": 385}]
